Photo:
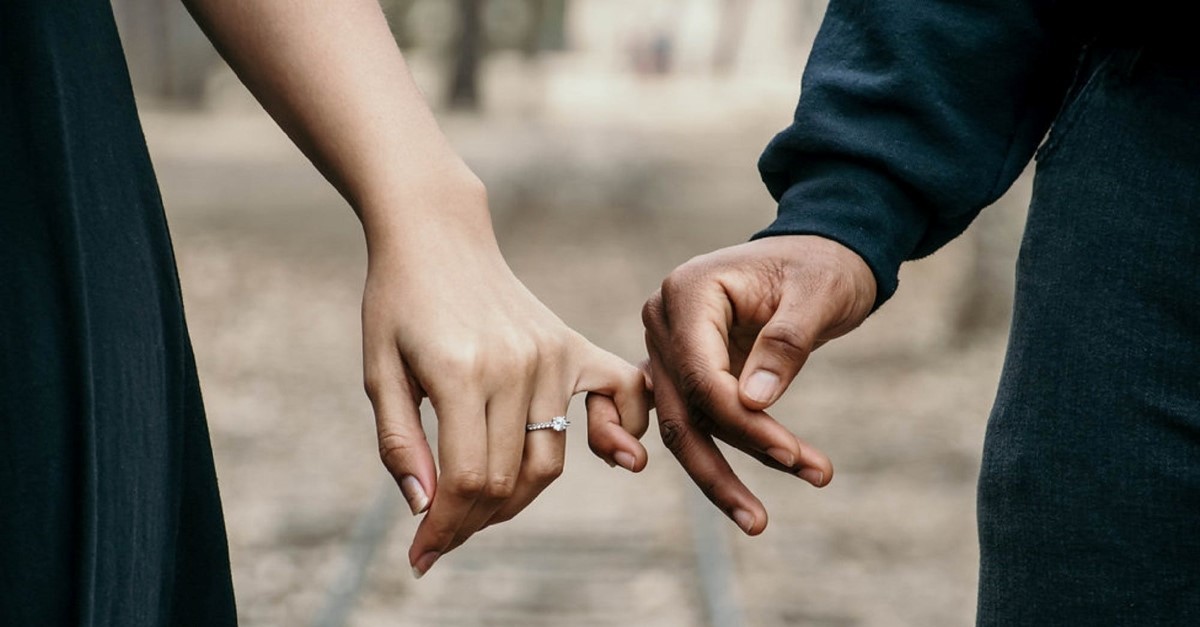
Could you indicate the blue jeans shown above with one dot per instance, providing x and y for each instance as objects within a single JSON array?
[{"x": 1089, "y": 496}]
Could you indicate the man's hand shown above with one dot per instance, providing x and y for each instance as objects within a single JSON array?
[{"x": 727, "y": 333}]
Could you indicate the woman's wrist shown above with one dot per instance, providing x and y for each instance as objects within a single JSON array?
[{"x": 445, "y": 206}]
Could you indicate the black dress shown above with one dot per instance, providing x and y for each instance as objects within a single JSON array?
[{"x": 109, "y": 511}]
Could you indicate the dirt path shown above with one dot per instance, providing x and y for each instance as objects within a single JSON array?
[{"x": 272, "y": 267}]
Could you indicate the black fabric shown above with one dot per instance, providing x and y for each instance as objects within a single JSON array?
[
  {"x": 109, "y": 511},
  {"x": 1089, "y": 495},
  {"x": 914, "y": 115}
]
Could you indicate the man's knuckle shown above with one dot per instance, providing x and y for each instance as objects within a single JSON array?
[
  {"x": 698, "y": 387},
  {"x": 652, "y": 311},
  {"x": 673, "y": 284},
  {"x": 681, "y": 282},
  {"x": 788, "y": 338},
  {"x": 674, "y": 435}
]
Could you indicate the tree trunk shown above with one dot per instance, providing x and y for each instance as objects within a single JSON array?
[
  {"x": 548, "y": 30},
  {"x": 468, "y": 55}
]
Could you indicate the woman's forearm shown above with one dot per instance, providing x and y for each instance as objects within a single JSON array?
[
  {"x": 332, "y": 77},
  {"x": 443, "y": 315}
]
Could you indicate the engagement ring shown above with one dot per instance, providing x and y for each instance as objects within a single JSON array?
[{"x": 558, "y": 423}]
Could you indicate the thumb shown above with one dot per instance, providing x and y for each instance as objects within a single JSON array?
[{"x": 779, "y": 351}]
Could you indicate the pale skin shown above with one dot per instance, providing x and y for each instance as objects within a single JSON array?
[
  {"x": 443, "y": 316},
  {"x": 727, "y": 333}
]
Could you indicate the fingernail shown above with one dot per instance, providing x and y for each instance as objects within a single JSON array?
[
  {"x": 625, "y": 460},
  {"x": 411, "y": 488},
  {"x": 761, "y": 386},
  {"x": 813, "y": 476},
  {"x": 744, "y": 519},
  {"x": 611, "y": 464},
  {"x": 424, "y": 563},
  {"x": 782, "y": 456}
]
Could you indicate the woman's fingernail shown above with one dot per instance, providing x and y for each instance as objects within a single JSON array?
[
  {"x": 761, "y": 386},
  {"x": 782, "y": 456},
  {"x": 744, "y": 519},
  {"x": 411, "y": 488},
  {"x": 611, "y": 464},
  {"x": 424, "y": 563},
  {"x": 625, "y": 460},
  {"x": 813, "y": 476}
]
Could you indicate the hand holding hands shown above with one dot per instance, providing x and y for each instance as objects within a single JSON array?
[
  {"x": 444, "y": 317},
  {"x": 727, "y": 333}
]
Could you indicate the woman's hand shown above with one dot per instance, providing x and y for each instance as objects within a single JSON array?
[{"x": 444, "y": 317}]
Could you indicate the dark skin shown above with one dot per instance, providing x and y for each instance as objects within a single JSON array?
[{"x": 727, "y": 333}]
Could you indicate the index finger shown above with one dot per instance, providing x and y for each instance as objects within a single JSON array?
[
  {"x": 699, "y": 455},
  {"x": 463, "y": 457},
  {"x": 691, "y": 328}
]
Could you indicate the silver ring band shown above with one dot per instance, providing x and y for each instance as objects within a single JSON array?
[{"x": 558, "y": 423}]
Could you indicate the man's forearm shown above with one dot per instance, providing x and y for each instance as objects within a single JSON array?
[{"x": 913, "y": 116}]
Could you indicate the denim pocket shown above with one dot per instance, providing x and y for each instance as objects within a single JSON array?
[{"x": 1087, "y": 79}]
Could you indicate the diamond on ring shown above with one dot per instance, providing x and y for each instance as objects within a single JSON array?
[{"x": 558, "y": 423}]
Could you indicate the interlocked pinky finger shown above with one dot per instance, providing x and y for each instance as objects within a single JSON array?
[{"x": 608, "y": 439}]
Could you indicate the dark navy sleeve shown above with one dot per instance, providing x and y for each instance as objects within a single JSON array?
[{"x": 914, "y": 115}]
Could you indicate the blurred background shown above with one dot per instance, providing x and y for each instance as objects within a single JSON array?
[{"x": 618, "y": 138}]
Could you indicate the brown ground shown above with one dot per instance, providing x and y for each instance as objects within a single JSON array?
[{"x": 591, "y": 215}]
